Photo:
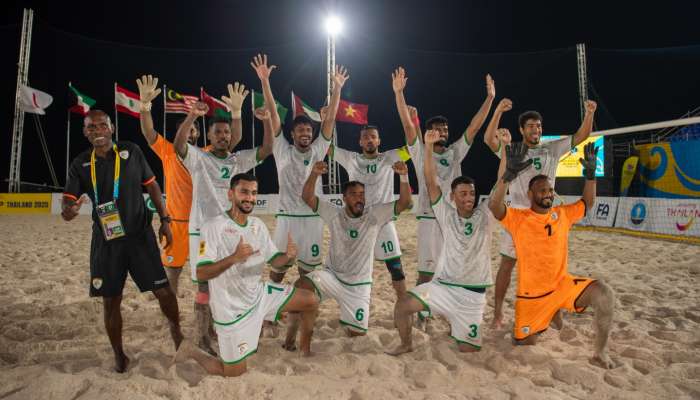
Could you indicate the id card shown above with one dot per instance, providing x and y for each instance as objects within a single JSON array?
[{"x": 110, "y": 220}]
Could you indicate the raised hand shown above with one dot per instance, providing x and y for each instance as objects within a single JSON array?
[
  {"x": 490, "y": 86},
  {"x": 199, "y": 109},
  {"x": 432, "y": 136},
  {"x": 589, "y": 160},
  {"x": 504, "y": 136},
  {"x": 148, "y": 88},
  {"x": 236, "y": 94},
  {"x": 243, "y": 251},
  {"x": 262, "y": 113},
  {"x": 398, "y": 80},
  {"x": 319, "y": 168},
  {"x": 515, "y": 160},
  {"x": 504, "y": 105},
  {"x": 323, "y": 112},
  {"x": 590, "y": 106},
  {"x": 291, "y": 247},
  {"x": 400, "y": 168},
  {"x": 340, "y": 76},
  {"x": 259, "y": 64}
]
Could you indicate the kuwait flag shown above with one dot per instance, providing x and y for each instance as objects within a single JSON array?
[
  {"x": 299, "y": 108},
  {"x": 352, "y": 112},
  {"x": 259, "y": 100},
  {"x": 217, "y": 108},
  {"x": 81, "y": 102},
  {"x": 127, "y": 102}
]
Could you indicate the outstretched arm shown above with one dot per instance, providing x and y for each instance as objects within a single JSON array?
[
  {"x": 398, "y": 84},
  {"x": 234, "y": 102},
  {"x": 478, "y": 119},
  {"x": 429, "y": 171},
  {"x": 198, "y": 109},
  {"x": 515, "y": 163},
  {"x": 404, "y": 202},
  {"x": 589, "y": 167},
  {"x": 148, "y": 90},
  {"x": 263, "y": 114},
  {"x": 261, "y": 68},
  {"x": 491, "y": 137},
  {"x": 309, "y": 193},
  {"x": 328, "y": 123},
  {"x": 584, "y": 131}
]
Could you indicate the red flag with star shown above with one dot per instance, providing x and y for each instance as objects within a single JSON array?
[{"x": 352, "y": 112}]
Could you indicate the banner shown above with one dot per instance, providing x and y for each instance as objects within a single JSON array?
[
  {"x": 665, "y": 216},
  {"x": 670, "y": 170},
  {"x": 629, "y": 168},
  {"x": 569, "y": 165},
  {"x": 25, "y": 203}
]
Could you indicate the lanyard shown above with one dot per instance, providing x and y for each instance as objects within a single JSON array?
[{"x": 93, "y": 175}]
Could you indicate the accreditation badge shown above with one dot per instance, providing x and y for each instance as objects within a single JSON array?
[{"x": 110, "y": 220}]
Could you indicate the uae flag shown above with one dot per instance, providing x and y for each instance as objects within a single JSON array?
[
  {"x": 301, "y": 108},
  {"x": 217, "y": 108},
  {"x": 353, "y": 113},
  {"x": 81, "y": 103},
  {"x": 177, "y": 103},
  {"x": 126, "y": 101},
  {"x": 259, "y": 100}
]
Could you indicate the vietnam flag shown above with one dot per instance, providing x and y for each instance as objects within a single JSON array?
[
  {"x": 217, "y": 108},
  {"x": 352, "y": 112}
]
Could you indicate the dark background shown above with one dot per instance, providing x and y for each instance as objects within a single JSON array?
[{"x": 643, "y": 63}]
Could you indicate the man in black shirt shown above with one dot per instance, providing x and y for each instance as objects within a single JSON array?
[{"x": 112, "y": 175}]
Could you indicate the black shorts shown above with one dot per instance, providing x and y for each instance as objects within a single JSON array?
[{"x": 110, "y": 261}]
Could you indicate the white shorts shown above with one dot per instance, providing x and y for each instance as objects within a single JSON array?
[
  {"x": 194, "y": 254},
  {"x": 429, "y": 245},
  {"x": 463, "y": 308},
  {"x": 239, "y": 338},
  {"x": 507, "y": 247},
  {"x": 307, "y": 233},
  {"x": 387, "y": 245},
  {"x": 353, "y": 300}
]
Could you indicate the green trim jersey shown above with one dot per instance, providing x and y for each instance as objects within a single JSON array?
[
  {"x": 351, "y": 250},
  {"x": 293, "y": 168},
  {"x": 465, "y": 259},
  {"x": 238, "y": 289},
  {"x": 448, "y": 165},
  {"x": 211, "y": 180},
  {"x": 377, "y": 174},
  {"x": 545, "y": 159}
]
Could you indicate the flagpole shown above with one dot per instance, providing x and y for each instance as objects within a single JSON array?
[
  {"x": 165, "y": 133},
  {"x": 204, "y": 118},
  {"x": 252, "y": 123},
  {"x": 116, "y": 113},
  {"x": 68, "y": 139}
]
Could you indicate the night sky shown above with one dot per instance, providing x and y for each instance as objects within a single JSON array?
[{"x": 643, "y": 63}]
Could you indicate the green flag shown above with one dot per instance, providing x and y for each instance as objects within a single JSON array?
[{"x": 259, "y": 101}]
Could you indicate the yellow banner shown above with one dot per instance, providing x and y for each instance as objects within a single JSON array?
[
  {"x": 629, "y": 168},
  {"x": 25, "y": 203},
  {"x": 569, "y": 164}
]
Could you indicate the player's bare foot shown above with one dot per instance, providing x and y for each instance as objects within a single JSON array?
[
  {"x": 307, "y": 353},
  {"x": 184, "y": 351},
  {"x": 557, "y": 321},
  {"x": 603, "y": 360},
  {"x": 400, "y": 350},
  {"x": 289, "y": 346},
  {"x": 121, "y": 363}
]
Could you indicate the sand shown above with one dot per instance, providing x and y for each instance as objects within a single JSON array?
[{"x": 53, "y": 345}]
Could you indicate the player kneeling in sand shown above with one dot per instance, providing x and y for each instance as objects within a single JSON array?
[
  {"x": 233, "y": 251},
  {"x": 463, "y": 271},
  {"x": 541, "y": 235}
]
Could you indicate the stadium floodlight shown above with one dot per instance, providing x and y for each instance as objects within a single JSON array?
[{"x": 333, "y": 25}]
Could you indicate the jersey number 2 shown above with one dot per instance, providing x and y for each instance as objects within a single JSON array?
[{"x": 225, "y": 173}]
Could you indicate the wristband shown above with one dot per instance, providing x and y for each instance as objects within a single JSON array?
[
  {"x": 236, "y": 114},
  {"x": 146, "y": 106},
  {"x": 403, "y": 178}
]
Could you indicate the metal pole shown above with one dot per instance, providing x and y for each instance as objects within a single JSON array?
[
  {"x": 333, "y": 184},
  {"x": 582, "y": 77},
  {"x": 252, "y": 122},
  {"x": 116, "y": 113}
]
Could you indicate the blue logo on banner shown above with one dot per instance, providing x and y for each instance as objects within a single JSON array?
[{"x": 638, "y": 213}]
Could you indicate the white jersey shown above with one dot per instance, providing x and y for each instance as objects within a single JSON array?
[
  {"x": 238, "y": 289},
  {"x": 293, "y": 168},
  {"x": 545, "y": 159},
  {"x": 465, "y": 259},
  {"x": 448, "y": 166},
  {"x": 211, "y": 180},
  {"x": 351, "y": 249},
  {"x": 376, "y": 173}
]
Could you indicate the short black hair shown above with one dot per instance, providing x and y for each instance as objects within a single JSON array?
[
  {"x": 438, "y": 119},
  {"x": 242, "y": 177},
  {"x": 347, "y": 185},
  {"x": 302, "y": 120},
  {"x": 461, "y": 180},
  {"x": 536, "y": 179},
  {"x": 368, "y": 127},
  {"x": 524, "y": 117},
  {"x": 218, "y": 120}
]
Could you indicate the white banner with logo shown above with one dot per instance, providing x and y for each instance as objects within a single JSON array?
[{"x": 665, "y": 216}]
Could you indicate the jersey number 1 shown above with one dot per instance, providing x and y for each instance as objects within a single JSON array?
[{"x": 548, "y": 227}]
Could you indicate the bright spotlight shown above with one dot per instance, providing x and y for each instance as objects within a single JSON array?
[{"x": 333, "y": 25}]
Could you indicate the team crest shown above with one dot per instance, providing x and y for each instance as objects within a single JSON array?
[
  {"x": 124, "y": 154},
  {"x": 97, "y": 283},
  {"x": 170, "y": 259},
  {"x": 202, "y": 248},
  {"x": 525, "y": 330},
  {"x": 242, "y": 348},
  {"x": 554, "y": 216}
]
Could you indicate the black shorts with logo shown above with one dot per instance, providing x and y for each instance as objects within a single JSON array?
[{"x": 138, "y": 255}]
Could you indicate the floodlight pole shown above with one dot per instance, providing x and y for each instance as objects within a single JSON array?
[
  {"x": 582, "y": 77},
  {"x": 333, "y": 182}
]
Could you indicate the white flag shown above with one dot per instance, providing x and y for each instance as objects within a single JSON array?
[{"x": 34, "y": 101}]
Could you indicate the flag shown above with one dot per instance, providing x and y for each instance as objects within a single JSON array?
[
  {"x": 352, "y": 112},
  {"x": 301, "y": 108},
  {"x": 81, "y": 102},
  {"x": 179, "y": 103},
  {"x": 629, "y": 169},
  {"x": 217, "y": 108},
  {"x": 259, "y": 101},
  {"x": 33, "y": 101},
  {"x": 127, "y": 102}
]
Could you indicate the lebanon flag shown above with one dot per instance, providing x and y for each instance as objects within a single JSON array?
[
  {"x": 81, "y": 102},
  {"x": 217, "y": 108},
  {"x": 300, "y": 108},
  {"x": 352, "y": 112},
  {"x": 34, "y": 101},
  {"x": 126, "y": 101}
]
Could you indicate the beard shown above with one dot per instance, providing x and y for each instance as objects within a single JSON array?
[
  {"x": 359, "y": 206},
  {"x": 243, "y": 210},
  {"x": 441, "y": 142},
  {"x": 541, "y": 202}
]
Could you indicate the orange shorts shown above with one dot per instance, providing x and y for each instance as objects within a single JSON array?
[
  {"x": 176, "y": 255},
  {"x": 533, "y": 314}
]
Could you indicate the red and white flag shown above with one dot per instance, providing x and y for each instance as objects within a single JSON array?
[
  {"x": 179, "y": 103},
  {"x": 127, "y": 102},
  {"x": 34, "y": 101}
]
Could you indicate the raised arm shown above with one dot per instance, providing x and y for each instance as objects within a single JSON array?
[
  {"x": 429, "y": 171},
  {"x": 398, "y": 84},
  {"x": 491, "y": 137},
  {"x": 328, "y": 123},
  {"x": 148, "y": 90},
  {"x": 243, "y": 251},
  {"x": 309, "y": 193},
  {"x": 404, "y": 202},
  {"x": 584, "y": 131},
  {"x": 480, "y": 116},
  {"x": 589, "y": 166},
  {"x": 515, "y": 163},
  {"x": 263, "y": 114},
  {"x": 261, "y": 68},
  {"x": 234, "y": 102},
  {"x": 198, "y": 109}
]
